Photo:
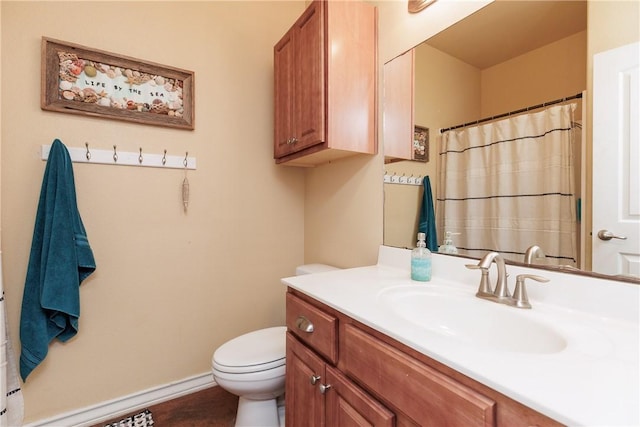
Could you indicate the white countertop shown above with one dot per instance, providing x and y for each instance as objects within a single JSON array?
[{"x": 593, "y": 381}]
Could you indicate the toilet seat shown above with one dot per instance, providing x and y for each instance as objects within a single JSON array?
[{"x": 255, "y": 351}]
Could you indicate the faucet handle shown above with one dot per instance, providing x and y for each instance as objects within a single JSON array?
[
  {"x": 521, "y": 300},
  {"x": 485, "y": 287}
]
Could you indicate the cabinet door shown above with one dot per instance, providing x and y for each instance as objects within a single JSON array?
[
  {"x": 348, "y": 406},
  {"x": 309, "y": 99},
  {"x": 304, "y": 404},
  {"x": 427, "y": 396},
  {"x": 284, "y": 82},
  {"x": 398, "y": 107}
]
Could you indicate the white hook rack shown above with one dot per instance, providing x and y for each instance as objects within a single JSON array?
[
  {"x": 402, "y": 179},
  {"x": 126, "y": 158}
]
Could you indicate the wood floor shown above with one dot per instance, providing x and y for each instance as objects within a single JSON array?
[{"x": 212, "y": 407}]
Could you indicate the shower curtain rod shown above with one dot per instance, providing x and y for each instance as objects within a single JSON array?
[{"x": 522, "y": 110}]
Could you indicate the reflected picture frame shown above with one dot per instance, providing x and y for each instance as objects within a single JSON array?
[
  {"x": 80, "y": 80},
  {"x": 420, "y": 150}
]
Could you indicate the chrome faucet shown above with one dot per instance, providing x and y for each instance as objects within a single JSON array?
[
  {"x": 501, "y": 290},
  {"x": 533, "y": 252},
  {"x": 501, "y": 293}
]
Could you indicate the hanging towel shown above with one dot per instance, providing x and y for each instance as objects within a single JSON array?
[
  {"x": 11, "y": 399},
  {"x": 427, "y": 224},
  {"x": 60, "y": 260}
]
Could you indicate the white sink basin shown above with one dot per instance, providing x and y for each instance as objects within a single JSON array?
[{"x": 471, "y": 320}]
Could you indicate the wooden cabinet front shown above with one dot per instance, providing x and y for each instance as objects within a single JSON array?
[
  {"x": 304, "y": 405},
  {"x": 319, "y": 395},
  {"x": 427, "y": 396},
  {"x": 375, "y": 380},
  {"x": 325, "y": 84},
  {"x": 299, "y": 84},
  {"x": 398, "y": 107}
]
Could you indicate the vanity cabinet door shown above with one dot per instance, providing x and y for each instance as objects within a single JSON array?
[
  {"x": 318, "y": 395},
  {"x": 347, "y": 405},
  {"x": 304, "y": 405}
]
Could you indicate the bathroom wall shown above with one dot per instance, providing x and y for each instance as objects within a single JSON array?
[
  {"x": 170, "y": 286},
  {"x": 533, "y": 78}
]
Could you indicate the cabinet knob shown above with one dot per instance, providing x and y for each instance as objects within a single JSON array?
[
  {"x": 292, "y": 140},
  {"x": 304, "y": 324},
  {"x": 324, "y": 388},
  {"x": 314, "y": 379}
]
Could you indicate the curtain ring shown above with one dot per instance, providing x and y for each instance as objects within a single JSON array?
[
  {"x": 140, "y": 156},
  {"x": 164, "y": 158},
  {"x": 115, "y": 154},
  {"x": 88, "y": 154},
  {"x": 185, "y": 162}
]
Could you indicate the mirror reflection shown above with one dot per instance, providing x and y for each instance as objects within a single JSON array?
[{"x": 506, "y": 57}]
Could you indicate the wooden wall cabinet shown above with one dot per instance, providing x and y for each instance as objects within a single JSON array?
[
  {"x": 343, "y": 373},
  {"x": 398, "y": 114},
  {"x": 325, "y": 84}
]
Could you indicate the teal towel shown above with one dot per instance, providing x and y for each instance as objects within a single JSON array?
[
  {"x": 427, "y": 224},
  {"x": 60, "y": 260}
]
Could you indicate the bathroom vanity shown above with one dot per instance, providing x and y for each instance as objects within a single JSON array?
[{"x": 367, "y": 346}]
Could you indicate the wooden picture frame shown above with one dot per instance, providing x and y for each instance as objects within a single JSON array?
[
  {"x": 420, "y": 150},
  {"x": 79, "y": 80}
]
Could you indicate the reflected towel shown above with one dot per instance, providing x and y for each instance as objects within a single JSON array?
[
  {"x": 427, "y": 224},
  {"x": 60, "y": 260}
]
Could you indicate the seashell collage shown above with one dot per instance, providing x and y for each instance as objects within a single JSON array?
[{"x": 110, "y": 86}]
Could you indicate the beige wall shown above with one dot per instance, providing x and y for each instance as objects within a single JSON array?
[
  {"x": 544, "y": 74},
  {"x": 170, "y": 287}
]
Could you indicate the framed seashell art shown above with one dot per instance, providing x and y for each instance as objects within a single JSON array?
[{"x": 79, "y": 80}]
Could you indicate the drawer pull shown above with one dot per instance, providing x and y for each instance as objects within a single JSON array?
[
  {"x": 314, "y": 379},
  {"x": 324, "y": 388},
  {"x": 304, "y": 324}
]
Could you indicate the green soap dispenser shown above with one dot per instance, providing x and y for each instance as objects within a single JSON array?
[{"x": 421, "y": 261}]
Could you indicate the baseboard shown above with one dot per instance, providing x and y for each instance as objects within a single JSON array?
[{"x": 108, "y": 410}]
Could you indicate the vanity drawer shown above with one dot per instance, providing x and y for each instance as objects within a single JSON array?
[
  {"x": 314, "y": 327},
  {"x": 427, "y": 396}
]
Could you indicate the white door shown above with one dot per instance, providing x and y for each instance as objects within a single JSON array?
[{"x": 616, "y": 161}]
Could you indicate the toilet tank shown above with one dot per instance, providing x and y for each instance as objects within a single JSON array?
[{"x": 314, "y": 268}]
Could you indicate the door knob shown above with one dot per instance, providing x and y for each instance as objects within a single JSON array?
[{"x": 607, "y": 235}]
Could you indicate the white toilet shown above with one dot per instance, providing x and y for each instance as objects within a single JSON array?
[{"x": 252, "y": 366}]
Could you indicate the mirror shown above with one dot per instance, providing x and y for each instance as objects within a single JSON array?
[{"x": 552, "y": 33}]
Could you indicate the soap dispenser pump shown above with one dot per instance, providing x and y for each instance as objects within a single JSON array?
[
  {"x": 421, "y": 260},
  {"x": 447, "y": 246}
]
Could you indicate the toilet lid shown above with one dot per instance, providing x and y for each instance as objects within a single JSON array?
[{"x": 255, "y": 351}]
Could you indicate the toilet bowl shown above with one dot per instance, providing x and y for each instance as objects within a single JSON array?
[{"x": 252, "y": 366}]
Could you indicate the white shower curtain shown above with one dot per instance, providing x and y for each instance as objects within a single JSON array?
[{"x": 509, "y": 184}]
